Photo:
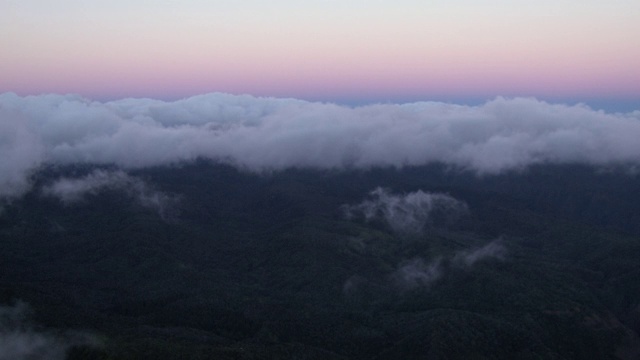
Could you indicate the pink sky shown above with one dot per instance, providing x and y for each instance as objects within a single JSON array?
[{"x": 320, "y": 49}]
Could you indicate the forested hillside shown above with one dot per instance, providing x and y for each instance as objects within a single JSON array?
[{"x": 205, "y": 261}]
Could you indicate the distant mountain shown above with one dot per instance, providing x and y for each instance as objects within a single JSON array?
[{"x": 205, "y": 261}]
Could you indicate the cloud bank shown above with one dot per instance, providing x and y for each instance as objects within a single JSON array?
[
  {"x": 410, "y": 213},
  {"x": 270, "y": 134},
  {"x": 20, "y": 153}
]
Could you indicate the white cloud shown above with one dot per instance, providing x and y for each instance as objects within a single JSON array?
[
  {"x": 493, "y": 250},
  {"x": 20, "y": 153},
  {"x": 21, "y": 341},
  {"x": 408, "y": 213},
  {"x": 420, "y": 273},
  {"x": 267, "y": 133},
  {"x": 72, "y": 190}
]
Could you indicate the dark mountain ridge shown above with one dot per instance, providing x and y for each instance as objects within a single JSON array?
[{"x": 208, "y": 261}]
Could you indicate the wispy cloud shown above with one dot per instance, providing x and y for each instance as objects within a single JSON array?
[
  {"x": 419, "y": 272},
  {"x": 19, "y": 340},
  {"x": 73, "y": 190},
  {"x": 468, "y": 258},
  {"x": 270, "y": 134},
  {"x": 408, "y": 213}
]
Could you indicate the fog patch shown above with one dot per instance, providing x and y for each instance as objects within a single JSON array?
[
  {"x": 422, "y": 273},
  {"x": 353, "y": 284},
  {"x": 20, "y": 340},
  {"x": 409, "y": 213},
  {"x": 417, "y": 273},
  {"x": 73, "y": 190},
  {"x": 493, "y": 250}
]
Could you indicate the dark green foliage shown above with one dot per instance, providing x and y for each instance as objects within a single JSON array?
[{"x": 266, "y": 266}]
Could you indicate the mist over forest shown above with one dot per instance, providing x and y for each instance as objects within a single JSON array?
[
  {"x": 268, "y": 134},
  {"x": 239, "y": 227}
]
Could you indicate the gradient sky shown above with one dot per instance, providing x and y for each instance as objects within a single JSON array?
[{"x": 338, "y": 50}]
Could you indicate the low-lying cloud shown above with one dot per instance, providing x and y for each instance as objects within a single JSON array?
[
  {"x": 409, "y": 213},
  {"x": 19, "y": 340},
  {"x": 73, "y": 190},
  {"x": 418, "y": 273},
  {"x": 20, "y": 153},
  {"x": 270, "y": 134},
  {"x": 421, "y": 273},
  {"x": 493, "y": 250}
]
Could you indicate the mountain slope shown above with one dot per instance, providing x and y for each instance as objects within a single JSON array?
[{"x": 206, "y": 261}]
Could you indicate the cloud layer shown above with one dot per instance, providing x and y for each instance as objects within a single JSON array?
[
  {"x": 409, "y": 213},
  {"x": 270, "y": 134}
]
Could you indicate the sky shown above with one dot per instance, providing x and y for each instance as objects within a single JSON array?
[{"x": 347, "y": 51}]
